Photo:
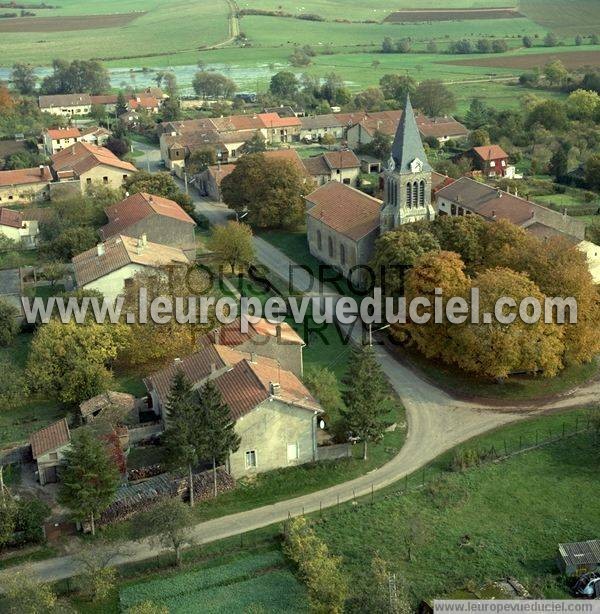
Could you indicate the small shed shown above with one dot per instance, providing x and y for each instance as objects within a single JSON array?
[
  {"x": 115, "y": 407},
  {"x": 579, "y": 557},
  {"x": 48, "y": 446}
]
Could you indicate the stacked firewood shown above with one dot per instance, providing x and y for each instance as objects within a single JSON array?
[
  {"x": 133, "y": 498},
  {"x": 143, "y": 473}
]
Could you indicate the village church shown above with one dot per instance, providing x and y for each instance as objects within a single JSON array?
[{"x": 343, "y": 223}]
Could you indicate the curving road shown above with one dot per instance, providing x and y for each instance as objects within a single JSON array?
[{"x": 436, "y": 423}]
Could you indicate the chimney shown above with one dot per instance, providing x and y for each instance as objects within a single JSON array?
[
  {"x": 253, "y": 357},
  {"x": 150, "y": 199},
  {"x": 493, "y": 214},
  {"x": 100, "y": 249},
  {"x": 499, "y": 193},
  {"x": 213, "y": 367},
  {"x": 177, "y": 362},
  {"x": 532, "y": 214},
  {"x": 278, "y": 333},
  {"x": 41, "y": 170},
  {"x": 144, "y": 239},
  {"x": 275, "y": 388},
  {"x": 140, "y": 246},
  {"x": 217, "y": 334}
]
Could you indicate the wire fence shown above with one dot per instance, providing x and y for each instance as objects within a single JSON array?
[{"x": 502, "y": 450}]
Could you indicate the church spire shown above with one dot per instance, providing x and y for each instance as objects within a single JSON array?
[{"x": 407, "y": 146}]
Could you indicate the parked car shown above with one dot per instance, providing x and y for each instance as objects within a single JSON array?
[{"x": 588, "y": 585}]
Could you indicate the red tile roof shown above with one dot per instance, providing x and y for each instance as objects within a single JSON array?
[
  {"x": 104, "y": 99},
  {"x": 341, "y": 159},
  {"x": 196, "y": 367},
  {"x": 64, "y": 133},
  {"x": 346, "y": 210},
  {"x": 119, "y": 251},
  {"x": 82, "y": 157},
  {"x": 490, "y": 152},
  {"x": 25, "y": 176},
  {"x": 138, "y": 207},
  {"x": 11, "y": 218},
  {"x": 232, "y": 335},
  {"x": 144, "y": 102},
  {"x": 273, "y": 120},
  {"x": 289, "y": 155},
  {"x": 50, "y": 438},
  {"x": 249, "y": 384},
  {"x": 220, "y": 172}
]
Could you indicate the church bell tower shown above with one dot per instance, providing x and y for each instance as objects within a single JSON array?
[{"x": 407, "y": 177}]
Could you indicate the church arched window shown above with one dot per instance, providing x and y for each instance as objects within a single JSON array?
[
  {"x": 330, "y": 246},
  {"x": 415, "y": 195},
  {"x": 342, "y": 255},
  {"x": 409, "y": 195},
  {"x": 422, "y": 193}
]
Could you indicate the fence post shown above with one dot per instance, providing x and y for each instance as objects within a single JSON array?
[
  {"x": 563, "y": 430},
  {"x": 321, "y": 509},
  {"x": 372, "y": 494},
  {"x": 576, "y": 424},
  {"x": 406, "y": 483},
  {"x": 520, "y": 442},
  {"x": 338, "y": 504},
  {"x": 505, "y": 449},
  {"x": 353, "y": 495},
  {"x": 423, "y": 479},
  {"x": 536, "y": 437}
]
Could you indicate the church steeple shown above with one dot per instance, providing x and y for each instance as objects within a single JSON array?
[
  {"x": 407, "y": 178},
  {"x": 407, "y": 146}
]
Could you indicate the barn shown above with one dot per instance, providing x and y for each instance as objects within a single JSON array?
[{"x": 579, "y": 557}]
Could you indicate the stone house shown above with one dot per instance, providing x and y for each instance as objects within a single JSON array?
[
  {"x": 84, "y": 164},
  {"x": 66, "y": 105},
  {"x": 14, "y": 227},
  {"x": 57, "y": 139},
  {"x": 465, "y": 196},
  {"x": 48, "y": 446},
  {"x": 161, "y": 220},
  {"x": 342, "y": 166},
  {"x": 25, "y": 185},
  {"x": 110, "y": 266},
  {"x": 275, "y": 415}
]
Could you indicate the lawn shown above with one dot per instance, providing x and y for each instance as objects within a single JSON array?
[{"x": 498, "y": 520}]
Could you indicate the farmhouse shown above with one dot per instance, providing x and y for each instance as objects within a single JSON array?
[
  {"x": 25, "y": 185},
  {"x": 386, "y": 122},
  {"x": 467, "y": 197},
  {"x": 491, "y": 160},
  {"x": 66, "y": 105},
  {"x": 57, "y": 139},
  {"x": 87, "y": 164},
  {"x": 14, "y": 227},
  {"x": 149, "y": 104},
  {"x": 162, "y": 220},
  {"x": 342, "y": 166},
  {"x": 110, "y": 266},
  {"x": 277, "y": 341},
  {"x": 48, "y": 446},
  {"x": 275, "y": 414}
]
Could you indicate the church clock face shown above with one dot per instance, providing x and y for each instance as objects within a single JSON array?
[{"x": 416, "y": 166}]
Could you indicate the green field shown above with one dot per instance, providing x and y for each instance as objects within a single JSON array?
[
  {"x": 373, "y": 9},
  {"x": 168, "y": 26},
  {"x": 565, "y": 17},
  {"x": 259, "y": 582},
  {"x": 482, "y": 525}
]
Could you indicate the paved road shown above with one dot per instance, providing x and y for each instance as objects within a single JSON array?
[{"x": 436, "y": 423}]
